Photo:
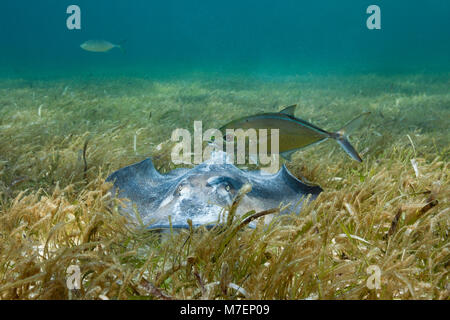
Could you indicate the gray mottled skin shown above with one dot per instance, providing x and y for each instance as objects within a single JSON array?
[{"x": 202, "y": 193}]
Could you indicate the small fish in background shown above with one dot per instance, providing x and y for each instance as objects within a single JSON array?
[
  {"x": 296, "y": 133},
  {"x": 100, "y": 46}
]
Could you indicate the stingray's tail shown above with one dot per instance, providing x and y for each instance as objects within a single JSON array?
[{"x": 342, "y": 135}]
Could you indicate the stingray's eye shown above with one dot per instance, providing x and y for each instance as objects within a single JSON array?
[
  {"x": 179, "y": 190},
  {"x": 227, "y": 187}
]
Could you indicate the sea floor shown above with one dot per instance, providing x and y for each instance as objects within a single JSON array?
[{"x": 61, "y": 138}]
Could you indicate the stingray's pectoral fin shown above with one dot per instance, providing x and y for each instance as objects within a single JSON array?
[
  {"x": 301, "y": 186},
  {"x": 288, "y": 154}
]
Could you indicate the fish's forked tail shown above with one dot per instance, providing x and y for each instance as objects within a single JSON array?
[
  {"x": 121, "y": 46},
  {"x": 342, "y": 135},
  {"x": 345, "y": 144}
]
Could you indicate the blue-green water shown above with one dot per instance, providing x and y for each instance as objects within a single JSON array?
[
  {"x": 70, "y": 118},
  {"x": 272, "y": 37}
]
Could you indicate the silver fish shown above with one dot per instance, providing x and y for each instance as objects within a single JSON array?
[
  {"x": 296, "y": 133},
  {"x": 99, "y": 46}
]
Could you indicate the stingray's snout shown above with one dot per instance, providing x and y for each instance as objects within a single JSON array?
[{"x": 224, "y": 188}]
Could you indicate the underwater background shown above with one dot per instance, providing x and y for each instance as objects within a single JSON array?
[
  {"x": 69, "y": 118},
  {"x": 275, "y": 37}
]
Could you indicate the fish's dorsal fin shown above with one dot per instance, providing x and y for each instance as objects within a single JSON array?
[{"x": 290, "y": 110}]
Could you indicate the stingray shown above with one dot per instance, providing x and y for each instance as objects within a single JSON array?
[{"x": 204, "y": 193}]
